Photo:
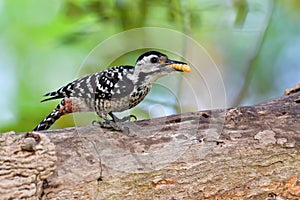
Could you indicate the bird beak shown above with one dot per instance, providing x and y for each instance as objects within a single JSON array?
[{"x": 178, "y": 65}]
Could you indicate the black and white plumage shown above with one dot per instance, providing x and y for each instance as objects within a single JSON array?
[{"x": 111, "y": 90}]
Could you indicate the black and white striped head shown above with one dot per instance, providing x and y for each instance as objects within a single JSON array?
[{"x": 154, "y": 62}]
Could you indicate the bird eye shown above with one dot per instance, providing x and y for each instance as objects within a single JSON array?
[{"x": 154, "y": 60}]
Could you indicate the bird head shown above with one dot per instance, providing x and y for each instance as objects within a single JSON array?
[{"x": 154, "y": 65}]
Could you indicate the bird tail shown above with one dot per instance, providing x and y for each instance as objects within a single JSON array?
[
  {"x": 49, "y": 120},
  {"x": 65, "y": 107}
]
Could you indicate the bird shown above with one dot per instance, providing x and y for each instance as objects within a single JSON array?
[{"x": 112, "y": 90}]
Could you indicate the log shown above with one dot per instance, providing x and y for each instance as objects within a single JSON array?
[{"x": 249, "y": 152}]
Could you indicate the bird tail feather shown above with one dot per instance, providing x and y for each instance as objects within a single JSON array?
[{"x": 49, "y": 120}]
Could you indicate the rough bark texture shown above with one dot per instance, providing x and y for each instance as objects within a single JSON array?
[{"x": 239, "y": 153}]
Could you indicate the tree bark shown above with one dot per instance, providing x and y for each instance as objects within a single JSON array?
[{"x": 249, "y": 152}]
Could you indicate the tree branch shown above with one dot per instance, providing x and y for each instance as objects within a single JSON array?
[{"x": 242, "y": 153}]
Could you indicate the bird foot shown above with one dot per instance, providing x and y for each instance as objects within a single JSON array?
[
  {"x": 111, "y": 125},
  {"x": 115, "y": 123}
]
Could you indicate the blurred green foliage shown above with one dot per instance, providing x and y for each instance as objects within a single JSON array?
[{"x": 255, "y": 44}]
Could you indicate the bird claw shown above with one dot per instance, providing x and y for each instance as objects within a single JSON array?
[
  {"x": 115, "y": 123},
  {"x": 96, "y": 122},
  {"x": 111, "y": 125}
]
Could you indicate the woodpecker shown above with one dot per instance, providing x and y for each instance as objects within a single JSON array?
[{"x": 112, "y": 90}]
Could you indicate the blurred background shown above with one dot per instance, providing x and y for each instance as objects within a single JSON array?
[{"x": 255, "y": 45}]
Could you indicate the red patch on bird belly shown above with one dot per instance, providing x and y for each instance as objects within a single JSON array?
[
  {"x": 71, "y": 105},
  {"x": 66, "y": 106}
]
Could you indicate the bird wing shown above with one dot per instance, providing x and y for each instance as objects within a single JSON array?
[{"x": 106, "y": 84}]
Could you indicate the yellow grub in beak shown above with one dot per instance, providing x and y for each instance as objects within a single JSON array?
[{"x": 180, "y": 67}]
